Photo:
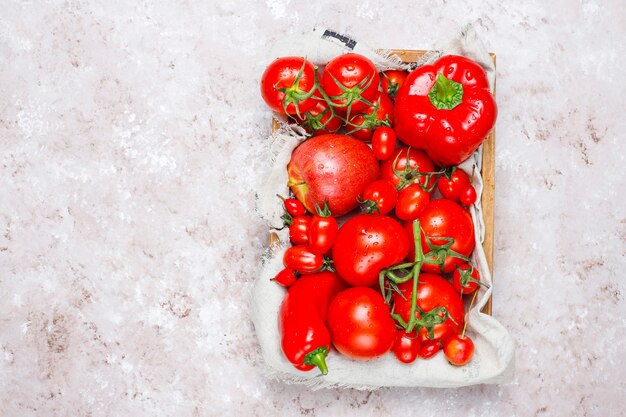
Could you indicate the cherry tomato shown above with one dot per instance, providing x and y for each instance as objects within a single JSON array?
[
  {"x": 379, "y": 197},
  {"x": 430, "y": 348},
  {"x": 383, "y": 142},
  {"x": 299, "y": 230},
  {"x": 412, "y": 200},
  {"x": 322, "y": 233},
  {"x": 441, "y": 221},
  {"x": 392, "y": 80},
  {"x": 464, "y": 279},
  {"x": 303, "y": 260},
  {"x": 410, "y": 165},
  {"x": 451, "y": 185},
  {"x": 348, "y": 80},
  {"x": 362, "y": 125},
  {"x": 286, "y": 277},
  {"x": 320, "y": 119},
  {"x": 406, "y": 346},
  {"x": 294, "y": 207},
  {"x": 360, "y": 324},
  {"x": 367, "y": 244},
  {"x": 287, "y": 85},
  {"x": 468, "y": 196},
  {"x": 434, "y": 293},
  {"x": 458, "y": 349}
]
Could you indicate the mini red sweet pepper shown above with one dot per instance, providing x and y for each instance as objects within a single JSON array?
[{"x": 446, "y": 109}]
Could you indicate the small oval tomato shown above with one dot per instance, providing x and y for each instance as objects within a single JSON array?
[
  {"x": 392, "y": 80},
  {"x": 362, "y": 125},
  {"x": 286, "y": 277},
  {"x": 348, "y": 80},
  {"x": 367, "y": 244},
  {"x": 465, "y": 278},
  {"x": 287, "y": 85},
  {"x": 294, "y": 207},
  {"x": 450, "y": 185},
  {"x": 458, "y": 349},
  {"x": 434, "y": 293},
  {"x": 299, "y": 230},
  {"x": 468, "y": 196},
  {"x": 441, "y": 221},
  {"x": 303, "y": 260},
  {"x": 322, "y": 233},
  {"x": 383, "y": 142},
  {"x": 360, "y": 324},
  {"x": 430, "y": 348},
  {"x": 406, "y": 166},
  {"x": 379, "y": 197},
  {"x": 406, "y": 346},
  {"x": 412, "y": 200}
]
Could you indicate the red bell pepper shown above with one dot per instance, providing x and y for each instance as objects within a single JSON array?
[
  {"x": 305, "y": 340},
  {"x": 446, "y": 109}
]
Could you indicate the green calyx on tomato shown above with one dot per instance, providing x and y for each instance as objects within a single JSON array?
[
  {"x": 408, "y": 175},
  {"x": 348, "y": 95},
  {"x": 317, "y": 358},
  {"x": 323, "y": 211},
  {"x": 294, "y": 94},
  {"x": 445, "y": 93}
]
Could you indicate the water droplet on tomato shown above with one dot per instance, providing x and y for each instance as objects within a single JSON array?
[
  {"x": 350, "y": 67},
  {"x": 320, "y": 166}
]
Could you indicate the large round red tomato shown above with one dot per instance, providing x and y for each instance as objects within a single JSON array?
[
  {"x": 360, "y": 324},
  {"x": 287, "y": 83},
  {"x": 365, "y": 245},
  {"x": 441, "y": 221},
  {"x": 349, "y": 78},
  {"x": 433, "y": 291},
  {"x": 410, "y": 164}
]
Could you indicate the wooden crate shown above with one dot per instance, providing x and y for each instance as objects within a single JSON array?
[{"x": 487, "y": 172}]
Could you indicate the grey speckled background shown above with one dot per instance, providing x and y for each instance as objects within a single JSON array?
[{"x": 132, "y": 135}]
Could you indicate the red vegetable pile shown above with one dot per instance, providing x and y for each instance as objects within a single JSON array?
[{"x": 393, "y": 276}]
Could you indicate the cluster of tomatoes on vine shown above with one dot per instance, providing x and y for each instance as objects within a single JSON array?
[{"x": 410, "y": 246}]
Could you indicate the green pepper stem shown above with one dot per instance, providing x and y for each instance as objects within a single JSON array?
[
  {"x": 445, "y": 94},
  {"x": 318, "y": 358}
]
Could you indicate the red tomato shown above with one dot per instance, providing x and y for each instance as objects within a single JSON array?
[
  {"x": 468, "y": 196},
  {"x": 322, "y": 233},
  {"x": 379, "y": 197},
  {"x": 433, "y": 291},
  {"x": 303, "y": 260},
  {"x": 410, "y": 166},
  {"x": 299, "y": 230},
  {"x": 406, "y": 346},
  {"x": 392, "y": 80},
  {"x": 320, "y": 119},
  {"x": 430, "y": 348},
  {"x": 458, "y": 349},
  {"x": 451, "y": 185},
  {"x": 286, "y": 277},
  {"x": 383, "y": 142},
  {"x": 348, "y": 80},
  {"x": 367, "y": 244},
  {"x": 360, "y": 324},
  {"x": 465, "y": 279},
  {"x": 362, "y": 125},
  {"x": 294, "y": 207},
  {"x": 412, "y": 200},
  {"x": 287, "y": 85},
  {"x": 441, "y": 221}
]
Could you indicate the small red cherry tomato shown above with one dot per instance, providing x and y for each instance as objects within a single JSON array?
[
  {"x": 465, "y": 279},
  {"x": 299, "y": 230},
  {"x": 303, "y": 260},
  {"x": 383, "y": 142},
  {"x": 286, "y": 277},
  {"x": 412, "y": 200},
  {"x": 458, "y": 349},
  {"x": 450, "y": 185},
  {"x": 468, "y": 196},
  {"x": 322, "y": 233},
  {"x": 392, "y": 80},
  {"x": 406, "y": 346},
  {"x": 379, "y": 197},
  {"x": 430, "y": 348},
  {"x": 294, "y": 207}
]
